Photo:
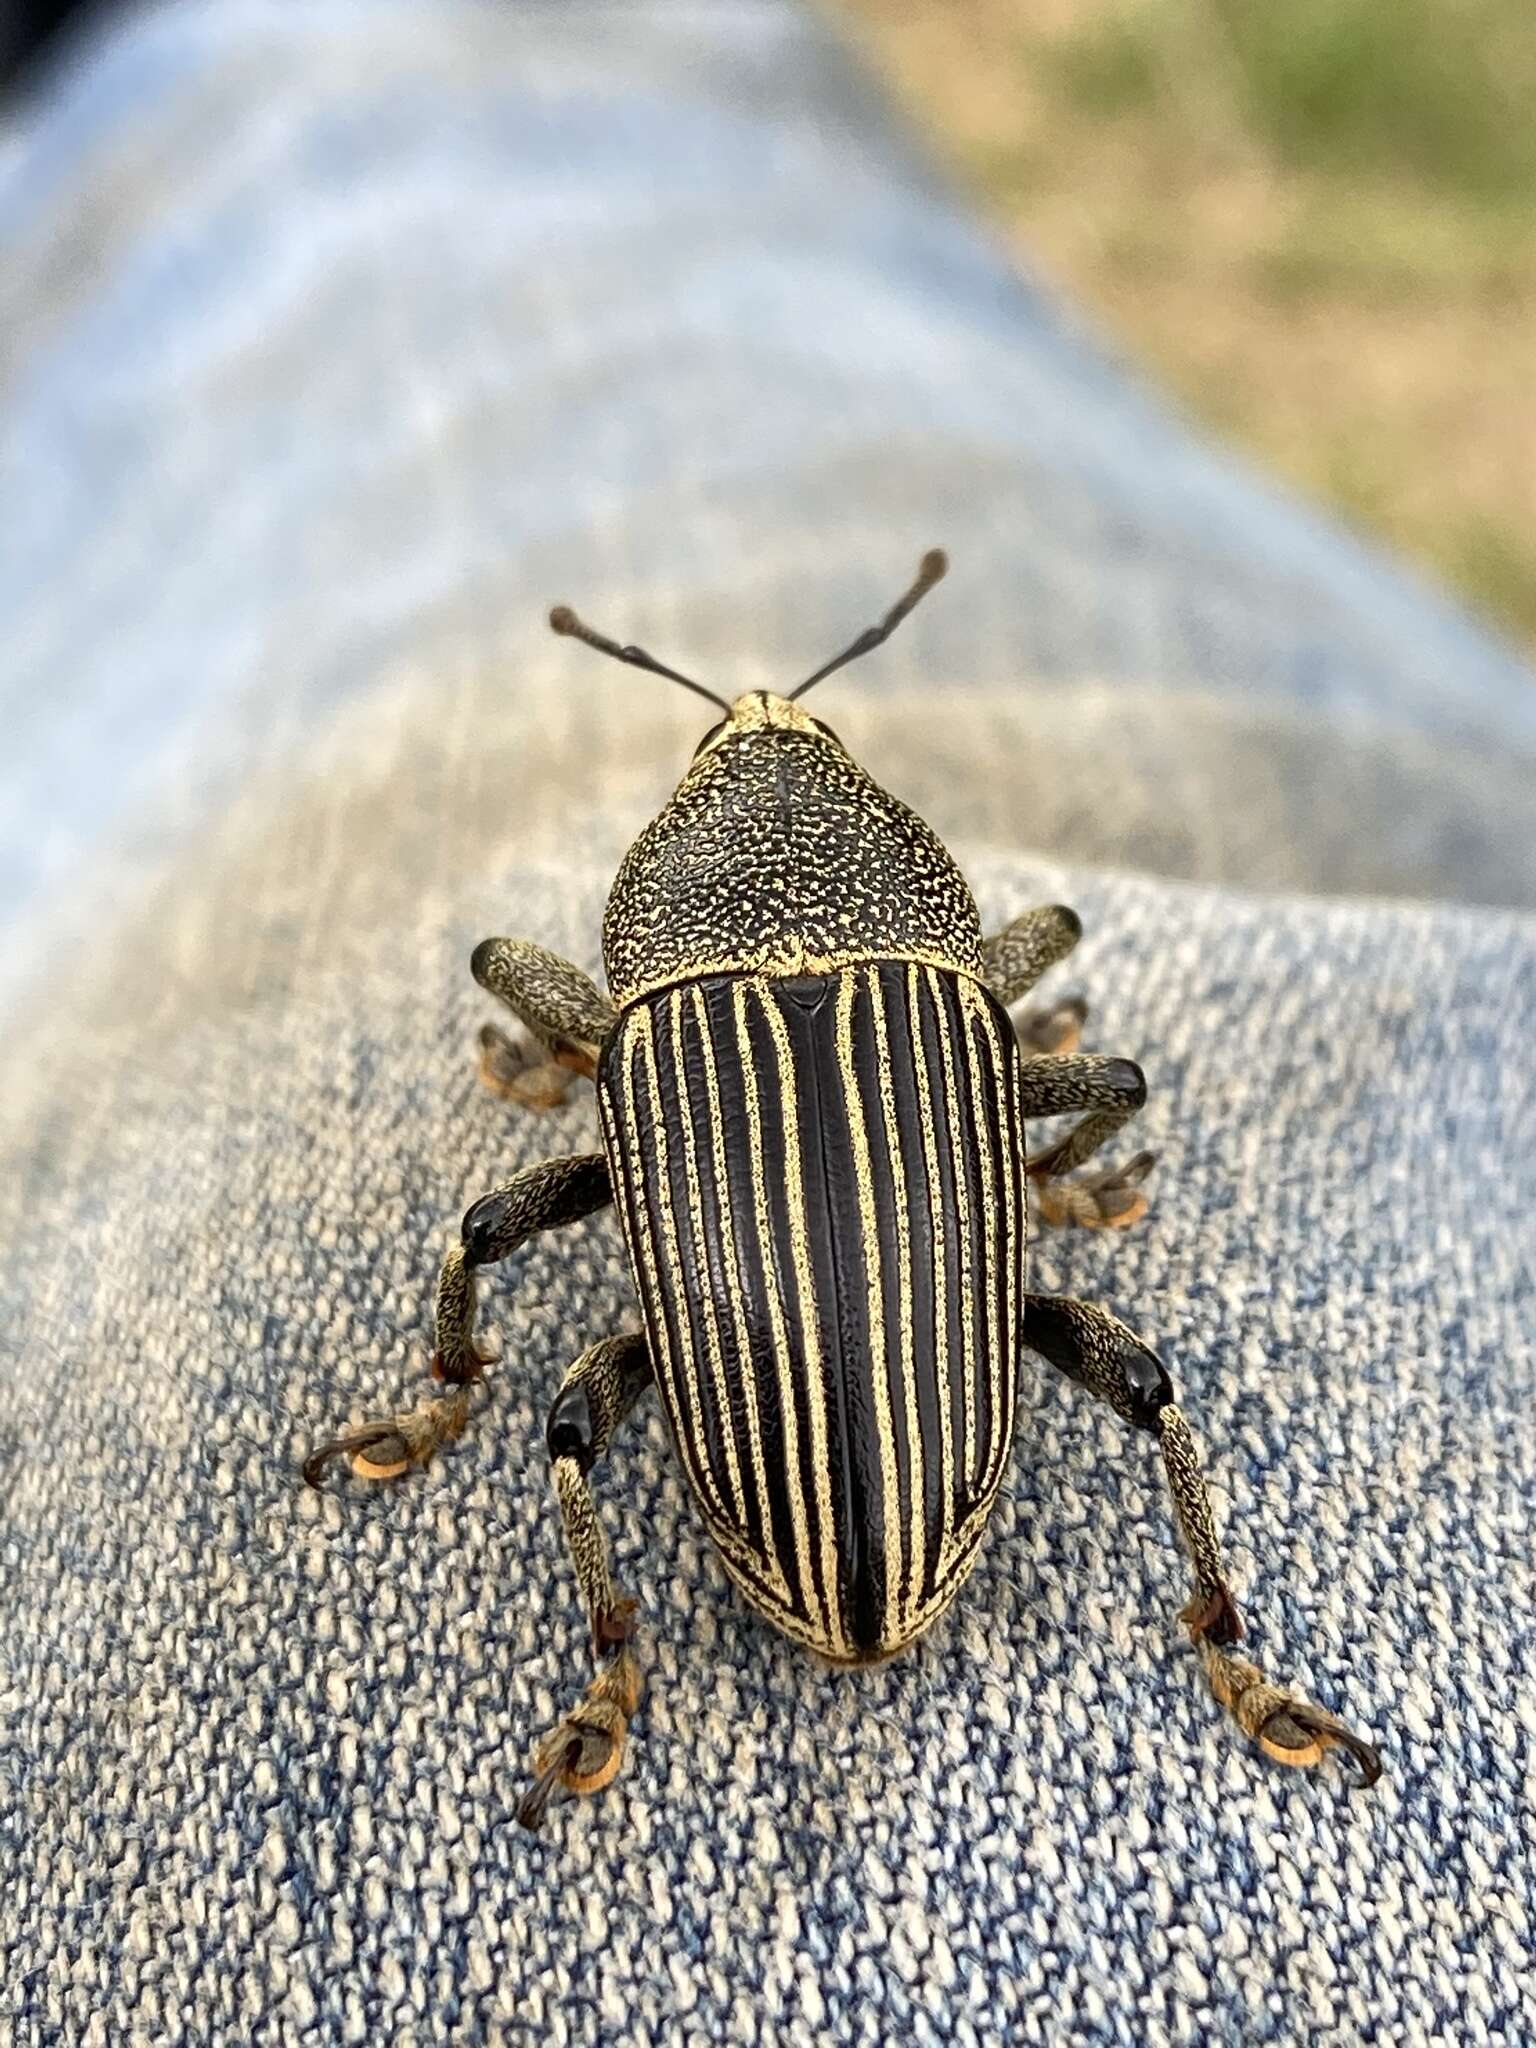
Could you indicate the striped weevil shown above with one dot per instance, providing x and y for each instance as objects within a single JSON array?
[{"x": 813, "y": 1105}]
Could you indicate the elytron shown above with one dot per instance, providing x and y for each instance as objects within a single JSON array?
[{"x": 813, "y": 1105}]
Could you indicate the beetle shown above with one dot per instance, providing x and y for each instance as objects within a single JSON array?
[{"x": 813, "y": 1106}]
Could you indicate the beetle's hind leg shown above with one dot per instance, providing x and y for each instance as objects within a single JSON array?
[
  {"x": 583, "y": 1751},
  {"x": 564, "y": 1011},
  {"x": 539, "y": 1198},
  {"x": 1111, "y": 1091},
  {"x": 1100, "y": 1353}
]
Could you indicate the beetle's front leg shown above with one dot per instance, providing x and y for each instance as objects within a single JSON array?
[
  {"x": 1101, "y": 1354},
  {"x": 565, "y": 1011},
  {"x": 1014, "y": 959},
  {"x": 1111, "y": 1091},
  {"x": 582, "y": 1752},
  {"x": 539, "y": 1198}
]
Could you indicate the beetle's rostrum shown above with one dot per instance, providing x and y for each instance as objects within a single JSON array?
[{"x": 813, "y": 1105}]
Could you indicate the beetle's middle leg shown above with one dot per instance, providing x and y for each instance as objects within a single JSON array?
[
  {"x": 1111, "y": 1091},
  {"x": 582, "y": 1752},
  {"x": 1100, "y": 1353},
  {"x": 541, "y": 1197},
  {"x": 563, "y": 1009}
]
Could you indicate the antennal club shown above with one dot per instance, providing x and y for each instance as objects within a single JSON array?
[
  {"x": 564, "y": 621},
  {"x": 930, "y": 571}
]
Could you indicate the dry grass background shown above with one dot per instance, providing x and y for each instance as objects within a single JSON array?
[{"x": 1314, "y": 220}]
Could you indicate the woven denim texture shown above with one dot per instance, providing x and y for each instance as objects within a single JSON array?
[{"x": 339, "y": 341}]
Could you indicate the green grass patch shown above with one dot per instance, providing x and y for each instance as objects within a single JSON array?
[
  {"x": 1440, "y": 92},
  {"x": 1497, "y": 565},
  {"x": 1362, "y": 241}
]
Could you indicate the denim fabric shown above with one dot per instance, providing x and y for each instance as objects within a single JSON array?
[{"x": 339, "y": 340}]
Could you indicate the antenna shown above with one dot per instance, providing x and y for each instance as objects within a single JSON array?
[
  {"x": 930, "y": 570},
  {"x": 564, "y": 621}
]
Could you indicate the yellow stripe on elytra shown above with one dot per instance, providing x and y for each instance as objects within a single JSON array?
[
  {"x": 890, "y": 1476},
  {"x": 805, "y": 1281},
  {"x": 636, "y": 1220},
  {"x": 1002, "y": 1242},
  {"x": 963, "y": 1228},
  {"x": 928, "y": 1088},
  {"x": 733, "y": 1287},
  {"x": 898, "y": 1169},
  {"x": 672, "y": 1281},
  {"x": 697, "y": 1226},
  {"x": 993, "y": 1228},
  {"x": 1007, "y": 1057},
  {"x": 781, "y": 1349}
]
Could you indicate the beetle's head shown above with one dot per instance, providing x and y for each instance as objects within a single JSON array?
[
  {"x": 777, "y": 854},
  {"x": 757, "y": 712}
]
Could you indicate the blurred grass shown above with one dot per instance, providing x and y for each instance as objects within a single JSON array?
[
  {"x": 1428, "y": 90},
  {"x": 1315, "y": 219}
]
